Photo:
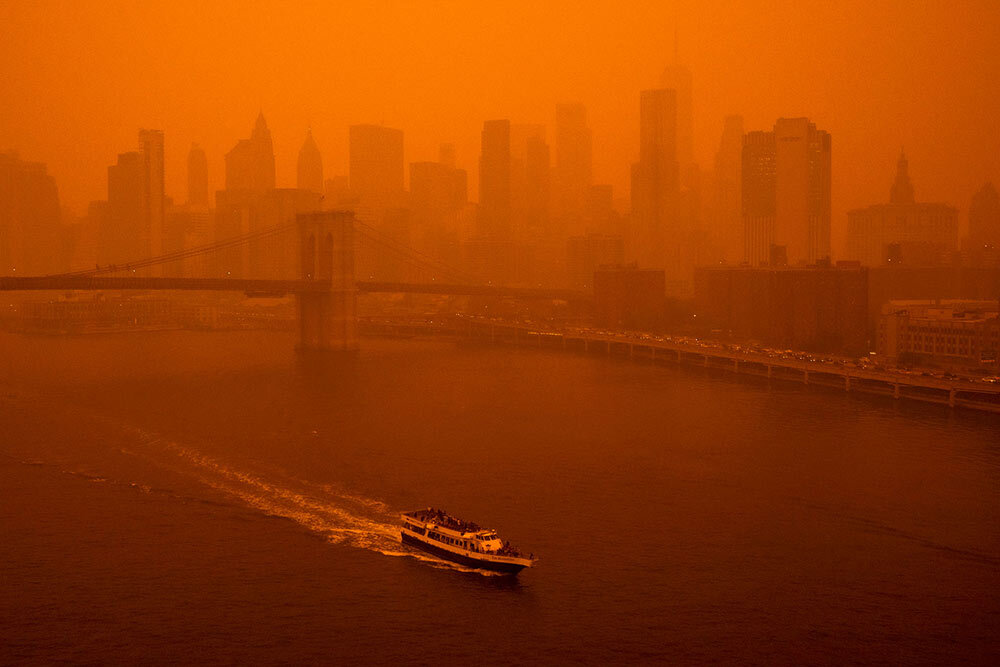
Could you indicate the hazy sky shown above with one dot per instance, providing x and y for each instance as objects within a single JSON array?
[{"x": 79, "y": 78}]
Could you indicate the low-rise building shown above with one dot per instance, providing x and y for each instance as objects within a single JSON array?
[{"x": 940, "y": 333}]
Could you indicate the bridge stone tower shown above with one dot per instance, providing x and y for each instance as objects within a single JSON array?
[{"x": 328, "y": 318}]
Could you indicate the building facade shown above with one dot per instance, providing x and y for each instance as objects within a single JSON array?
[
  {"x": 941, "y": 333},
  {"x": 786, "y": 181},
  {"x": 902, "y": 231}
]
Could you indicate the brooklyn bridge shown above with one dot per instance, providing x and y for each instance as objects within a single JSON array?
[{"x": 337, "y": 256}]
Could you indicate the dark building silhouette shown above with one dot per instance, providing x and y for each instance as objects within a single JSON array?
[
  {"x": 984, "y": 218},
  {"x": 627, "y": 297},
  {"x": 250, "y": 164},
  {"x": 677, "y": 77},
  {"x": 197, "y": 172},
  {"x": 655, "y": 187},
  {"x": 805, "y": 308},
  {"x": 123, "y": 237},
  {"x": 376, "y": 170},
  {"x": 154, "y": 198},
  {"x": 309, "y": 175},
  {"x": 586, "y": 254},
  {"x": 30, "y": 220},
  {"x": 529, "y": 181},
  {"x": 494, "y": 216},
  {"x": 902, "y": 231},
  {"x": 438, "y": 195},
  {"x": 726, "y": 221},
  {"x": 786, "y": 179},
  {"x": 573, "y": 159}
]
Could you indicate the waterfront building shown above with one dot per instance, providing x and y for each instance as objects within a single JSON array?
[
  {"x": 627, "y": 297},
  {"x": 941, "y": 333},
  {"x": 902, "y": 231},
  {"x": 30, "y": 218}
]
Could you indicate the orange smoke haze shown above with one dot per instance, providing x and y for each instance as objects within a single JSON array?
[{"x": 79, "y": 79}]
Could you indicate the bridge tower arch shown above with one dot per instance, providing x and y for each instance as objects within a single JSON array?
[{"x": 328, "y": 318}]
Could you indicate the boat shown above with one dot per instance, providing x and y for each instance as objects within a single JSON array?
[{"x": 437, "y": 532}]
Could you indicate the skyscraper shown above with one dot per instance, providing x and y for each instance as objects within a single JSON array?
[
  {"x": 123, "y": 236},
  {"x": 197, "y": 166},
  {"x": 573, "y": 165},
  {"x": 250, "y": 164},
  {"x": 529, "y": 185},
  {"x": 376, "y": 169},
  {"x": 494, "y": 181},
  {"x": 154, "y": 195},
  {"x": 677, "y": 77},
  {"x": 309, "y": 175},
  {"x": 655, "y": 183},
  {"x": 727, "y": 223},
  {"x": 786, "y": 194},
  {"x": 29, "y": 218}
]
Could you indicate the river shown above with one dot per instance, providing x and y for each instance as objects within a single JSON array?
[{"x": 214, "y": 497}]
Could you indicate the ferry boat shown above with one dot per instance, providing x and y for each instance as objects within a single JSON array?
[{"x": 464, "y": 542}]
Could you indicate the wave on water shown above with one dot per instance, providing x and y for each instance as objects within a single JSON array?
[{"x": 338, "y": 515}]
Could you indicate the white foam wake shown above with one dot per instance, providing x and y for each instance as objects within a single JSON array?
[{"x": 338, "y": 515}]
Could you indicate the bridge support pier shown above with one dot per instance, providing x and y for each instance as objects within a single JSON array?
[{"x": 328, "y": 317}]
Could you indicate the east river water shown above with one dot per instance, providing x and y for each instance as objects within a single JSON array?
[{"x": 214, "y": 497}]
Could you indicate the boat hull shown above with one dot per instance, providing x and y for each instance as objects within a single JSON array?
[{"x": 444, "y": 554}]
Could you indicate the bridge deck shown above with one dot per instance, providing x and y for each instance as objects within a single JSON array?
[{"x": 272, "y": 286}]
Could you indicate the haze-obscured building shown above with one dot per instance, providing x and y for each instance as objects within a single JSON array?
[
  {"x": 627, "y": 297},
  {"x": 655, "y": 186},
  {"x": 30, "y": 218},
  {"x": 786, "y": 180},
  {"x": 250, "y": 163},
  {"x": 902, "y": 231},
  {"x": 940, "y": 333},
  {"x": 806, "y": 308},
  {"x": 376, "y": 170},
  {"x": 309, "y": 170},
  {"x": 573, "y": 168},
  {"x": 586, "y": 254}
]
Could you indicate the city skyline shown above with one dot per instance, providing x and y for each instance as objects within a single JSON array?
[{"x": 870, "y": 115}]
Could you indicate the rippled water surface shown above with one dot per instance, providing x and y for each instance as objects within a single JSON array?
[{"x": 214, "y": 497}]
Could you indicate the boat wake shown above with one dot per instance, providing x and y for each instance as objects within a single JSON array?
[{"x": 338, "y": 515}]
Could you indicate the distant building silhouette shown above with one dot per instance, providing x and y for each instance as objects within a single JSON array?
[
  {"x": 677, "y": 77},
  {"x": 573, "y": 166},
  {"x": 726, "y": 223},
  {"x": 902, "y": 231},
  {"x": 197, "y": 172},
  {"x": 30, "y": 219},
  {"x": 250, "y": 163},
  {"x": 984, "y": 217},
  {"x": 786, "y": 178},
  {"x": 494, "y": 218},
  {"x": 438, "y": 195},
  {"x": 530, "y": 181},
  {"x": 655, "y": 186},
  {"x": 309, "y": 175},
  {"x": 123, "y": 237},
  {"x": 376, "y": 169},
  {"x": 154, "y": 191}
]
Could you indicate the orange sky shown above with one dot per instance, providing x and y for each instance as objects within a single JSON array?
[{"x": 79, "y": 78}]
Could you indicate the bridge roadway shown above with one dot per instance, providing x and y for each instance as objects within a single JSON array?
[
  {"x": 264, "y": 286},
  {"x": 977, "y": 395}
]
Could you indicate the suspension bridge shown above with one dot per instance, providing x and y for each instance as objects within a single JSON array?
[{"x": 331, "y": 250}]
